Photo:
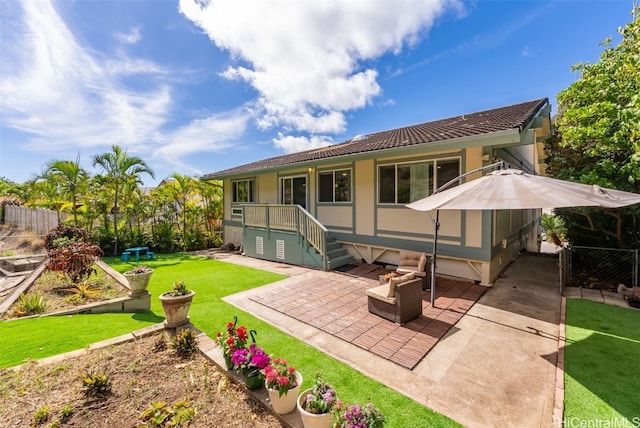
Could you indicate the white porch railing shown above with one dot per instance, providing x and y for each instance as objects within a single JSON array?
[{"x": 292, "y": 218}]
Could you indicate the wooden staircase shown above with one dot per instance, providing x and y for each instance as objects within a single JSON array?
[{"x": 299, "y": 237}]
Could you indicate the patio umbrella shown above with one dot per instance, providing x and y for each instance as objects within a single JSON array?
[{"x": 515, "y": 189}]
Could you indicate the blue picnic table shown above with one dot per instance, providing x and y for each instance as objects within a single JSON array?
[{"x": 137, "y": 251}]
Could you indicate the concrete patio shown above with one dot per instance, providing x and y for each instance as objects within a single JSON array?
[{"x": 495, "y": 367}]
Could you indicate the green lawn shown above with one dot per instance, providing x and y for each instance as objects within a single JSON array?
[
  {"x": 211, "y": 281},
  {"x": 602, "y": 358}
]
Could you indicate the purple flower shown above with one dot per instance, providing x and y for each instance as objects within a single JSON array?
[
  {"x": 260, "y": 359},
  {"x": 239, "y": 356}
]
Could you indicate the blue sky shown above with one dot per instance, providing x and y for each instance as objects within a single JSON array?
[{"x": 197, "y": 86}]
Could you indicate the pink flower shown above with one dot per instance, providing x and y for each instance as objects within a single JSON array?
[{"x": 283, "y": 380}]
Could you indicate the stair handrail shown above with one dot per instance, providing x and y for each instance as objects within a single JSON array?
[{"x": 277, "y": 217}]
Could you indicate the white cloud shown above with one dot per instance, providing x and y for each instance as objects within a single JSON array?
[
  {"x": 65, "y": 95},
  {"x": 305, "y": 58},
  {"x": 525, "y": 52},
  {"x": 130, "y": 38},
  {"x": 212, "y": 134},
  {"x": 291, "y": 144}
]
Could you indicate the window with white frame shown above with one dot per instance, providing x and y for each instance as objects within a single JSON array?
[
  {"x": 403, "y": 183},
  {"x": 334, "y": 186},
  {"x": 243, "y": 191}
]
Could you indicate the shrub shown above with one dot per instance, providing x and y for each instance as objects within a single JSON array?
[
  {"x": 75, "y": 260},
  {"x": 65, "y": 235},
  {"x": 185, "y": 343},
  {"x": 96, "y": 383},
  {"x": 29, "y": 304}
]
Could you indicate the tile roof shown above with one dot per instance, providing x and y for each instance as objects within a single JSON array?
[{"x": 516, "y": 116}]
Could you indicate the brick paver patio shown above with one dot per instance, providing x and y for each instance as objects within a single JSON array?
[{"x": 337, "y": 304}]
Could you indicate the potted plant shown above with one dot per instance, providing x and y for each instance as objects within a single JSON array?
[
  {"x": 230, "y": 340},
  {"x": 356, "y": 416},
  {"x": 316, "y": 404},
  {"x": 138, "y": 279},
  {"x": 250, "y": 362},
  {"x": 175, "y": 304},
  {"x": 554, "y": 228},
  {"x": 283, "y": 384}
]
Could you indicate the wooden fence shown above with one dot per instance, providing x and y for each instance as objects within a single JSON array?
[{"x": 39, "y": 220}]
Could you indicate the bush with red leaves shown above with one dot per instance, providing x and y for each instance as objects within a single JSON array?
[
  {"x": 64, "y": 235},
  {"x": 70, "y": 251},
  {"x": 75, "y": 260}
]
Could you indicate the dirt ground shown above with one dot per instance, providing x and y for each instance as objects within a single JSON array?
[
  {"x": 20, "y": 242},
  {"x": 139, "y": 375}
]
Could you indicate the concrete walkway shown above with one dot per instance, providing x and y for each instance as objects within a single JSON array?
[{"x": 495, "y": 368}]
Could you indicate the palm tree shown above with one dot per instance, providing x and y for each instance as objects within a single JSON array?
[
  {"x": 71, "y": 178},
  {"x": 118, "y": 168},
  {"x": 182, "y": 190}
]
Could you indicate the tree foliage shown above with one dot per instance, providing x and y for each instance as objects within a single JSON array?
[{"x": 597, "y": 139}]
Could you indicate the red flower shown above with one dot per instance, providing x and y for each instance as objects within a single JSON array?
[{"x": 242, "y": 332}]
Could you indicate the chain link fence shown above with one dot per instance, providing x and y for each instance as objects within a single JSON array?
[{"x": 599, "y": 268}]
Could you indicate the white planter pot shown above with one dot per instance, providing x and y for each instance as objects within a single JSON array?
[
  {"x": 310, "y": 420},
  {"x": 287, "y": 402},
  {"x": 138, "y": 282}
]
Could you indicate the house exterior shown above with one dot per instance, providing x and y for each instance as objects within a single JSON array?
[{"x": 325, "y": 207}]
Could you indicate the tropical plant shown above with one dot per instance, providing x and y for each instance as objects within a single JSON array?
[
  {"x": 71, "y": 180},
  {"x": 139, "y": 270},
  {"x": 74, "y": 260},
  {"x": 120, "y": 168},
  {"x": 63, "y": 235},
  {"x": 82, "y": 291},
  {"x": 30, "y": 304},
  {"x": 185, "y": 343},
  {"x": 41, "y": 415},
  {"x": 179, "y": 289},
  {"x": 554, "y": 228},
  {"x": 96, "y": 383},
  {"x": 159, "y": 414}
]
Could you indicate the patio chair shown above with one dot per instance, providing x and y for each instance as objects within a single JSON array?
[
  {"x": 399, "y": 300},
  {"x": 411, "y": 261}
]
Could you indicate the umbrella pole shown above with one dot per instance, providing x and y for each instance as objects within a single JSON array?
[{"x": 436, "y": 226}]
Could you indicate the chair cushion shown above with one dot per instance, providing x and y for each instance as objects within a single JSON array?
[
  {"x": 412, "y": 262},
  {"x": 423, "y": 262},
  {"x": 380, "y": 292},
  {"x": 397, "y": 280}
]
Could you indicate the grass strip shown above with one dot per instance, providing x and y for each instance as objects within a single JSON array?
[
  {"x": 212, "y": 280},
  {"x": 601, "y": 364}
]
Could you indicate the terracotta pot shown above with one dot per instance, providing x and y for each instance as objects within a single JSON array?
[
  {"x": 311, "y": 420},
  {"x": 176, "y": 309},
  {"x": 138, "y": 282},
  {"x": 285, "y": 403}
]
